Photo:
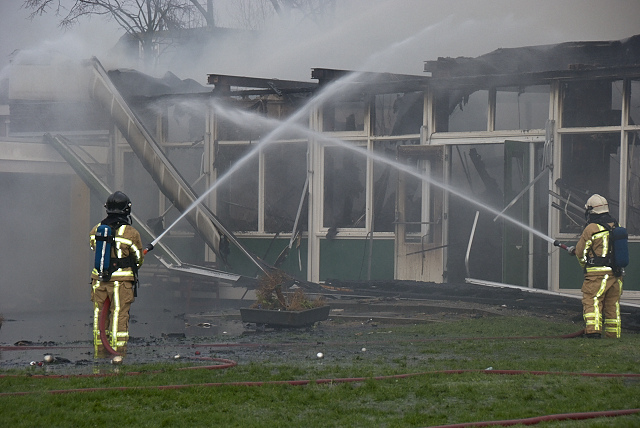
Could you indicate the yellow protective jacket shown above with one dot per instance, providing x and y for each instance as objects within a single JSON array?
[
  {"x": 127, "y": 242},
  {"x": 594, "y": 242}
]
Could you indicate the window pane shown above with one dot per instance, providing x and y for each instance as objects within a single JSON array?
[
  {"x": 590, "y": 164},
  {"x": 145, "y": 201},
  {"x": 235, "y": 127},
  {"x": 385, "y": 179},
  {"x": 237, "y": 197},
  {"x": 522, "y": 108},
  {"x": 398, "y": 114},
  {"x": 470, "y": 112},
  {"x": 184, "y": 124},
  {"x": 343, "y": 116},
  {"x": 633, "y": 187},
  {"x": 188, "y": 161},
  {"x": 413, "y": 203},
  {"x": 477, "y": 171},
  {"x": 422, "y": 217},
  {"x": 344, "y": 188},
  {"x": 634, "y": 103},
  {"x": 592, "y": 103},
  {"x": 285, "y": 175}
]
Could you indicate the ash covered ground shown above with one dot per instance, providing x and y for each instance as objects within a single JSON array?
[{"x": 167, "y": 329}]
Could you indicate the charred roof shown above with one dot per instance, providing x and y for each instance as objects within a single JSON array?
[
  {"x": 256, "y": 86},
  {"x": 537, "y": 63}
]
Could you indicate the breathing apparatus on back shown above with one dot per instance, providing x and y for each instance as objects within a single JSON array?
[
  {"x": 118, "y": 208},
  {"x": 597, "y": 211}
]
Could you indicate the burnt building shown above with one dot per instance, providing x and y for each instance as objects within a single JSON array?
[{"x": 467, "y": 171}]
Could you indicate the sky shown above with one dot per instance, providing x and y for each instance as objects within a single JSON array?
[{"x": 374, "y": 35}]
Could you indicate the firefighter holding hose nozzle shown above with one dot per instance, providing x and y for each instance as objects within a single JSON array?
[
  {"x": 118, "y": 255},
  {"x": 601, "y": 256}
]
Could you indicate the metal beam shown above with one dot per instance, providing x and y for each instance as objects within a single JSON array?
[{"x": 166, "y": 176}]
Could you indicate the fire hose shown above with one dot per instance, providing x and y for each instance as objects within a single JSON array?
[
  {"x": 302, "y": 382},
  {"x": 570, "y": 250},
  {"x": 333, "y": 381},
  {"x": 103, "y": 318},
  {"x": 545, "y": 418}
]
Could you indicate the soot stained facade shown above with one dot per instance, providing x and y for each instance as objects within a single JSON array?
[{"x": 468, "y": 171}]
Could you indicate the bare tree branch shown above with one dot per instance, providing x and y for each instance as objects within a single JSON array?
[
  {"x": 249, "y": 12},
  {"x": 142, "y": 19}
]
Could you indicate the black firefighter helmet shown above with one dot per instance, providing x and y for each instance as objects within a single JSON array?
[{"x": 118, "y": 203}]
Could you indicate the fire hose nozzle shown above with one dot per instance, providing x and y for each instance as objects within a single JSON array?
[
  {"x": 148, "y": 248},
  {"x": 570, "y": 250}
]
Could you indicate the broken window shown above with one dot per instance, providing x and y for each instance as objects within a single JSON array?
[
  {"x": 420, "y": 201},
  {"x": 470, "y": 112},
  {"x": 522, "y": 107},
  {"x": 399, "y": 113},
  {"x": 344, "y": 188},
  {"x": 189, "y": 162},
  {"x": 144, "y": 202},
  {"x": 285, "y": 173},
  {"x": 185, "y": 124},
  {"x": 385, "y": 178},
  {"x": 592, "y": 103},
  {"x": 477, "y": 180},
  {"x": 237, "y": 196},
  {"x": 343, "y": 115},
  {"x": 633, "y": 186},
  {"x": 590, "y": 164},
  {"x": 236, "y": 127},
  {"x": 413, "y": 203},
  {"x": 634, "y": 103}
]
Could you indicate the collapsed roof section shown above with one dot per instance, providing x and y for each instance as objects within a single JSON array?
[
  {"x": 546, "y": 58},
  {"x": 505, "y": 66},
  {"x": 136, "y": 85},
  {"x": 502, "y": 67},
  {"x": 256, "y": 86},
  {"x": 533, "y": 64},
  {"x": 384, "y": 83}
]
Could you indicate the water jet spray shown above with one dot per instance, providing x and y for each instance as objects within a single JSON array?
[
  {"x": 240, "y": 117},
  {"x": 292, "y": 121},
  {"x": 317, "y": 100}
]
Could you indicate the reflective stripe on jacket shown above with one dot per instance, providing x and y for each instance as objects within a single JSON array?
[{"x": 594, "y": 242}]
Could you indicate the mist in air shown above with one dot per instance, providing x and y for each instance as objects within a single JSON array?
[
  {"x": 289, "y": 49},
  {"x": 36, "y": 215}
]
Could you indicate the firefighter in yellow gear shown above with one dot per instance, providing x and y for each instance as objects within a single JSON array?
[
  {"x": 602, "y": 286},
  {"x": 126, "y": 257}
]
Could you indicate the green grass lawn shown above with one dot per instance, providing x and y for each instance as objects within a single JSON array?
[{"x": 430, "y": 397}]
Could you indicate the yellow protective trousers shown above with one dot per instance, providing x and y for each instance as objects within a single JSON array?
[
  {"x": 601, "y": 303},
  {"x": 121, "y": 295}
]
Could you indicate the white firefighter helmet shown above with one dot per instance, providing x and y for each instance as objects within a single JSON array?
[{"x": 597, "y": 204}]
